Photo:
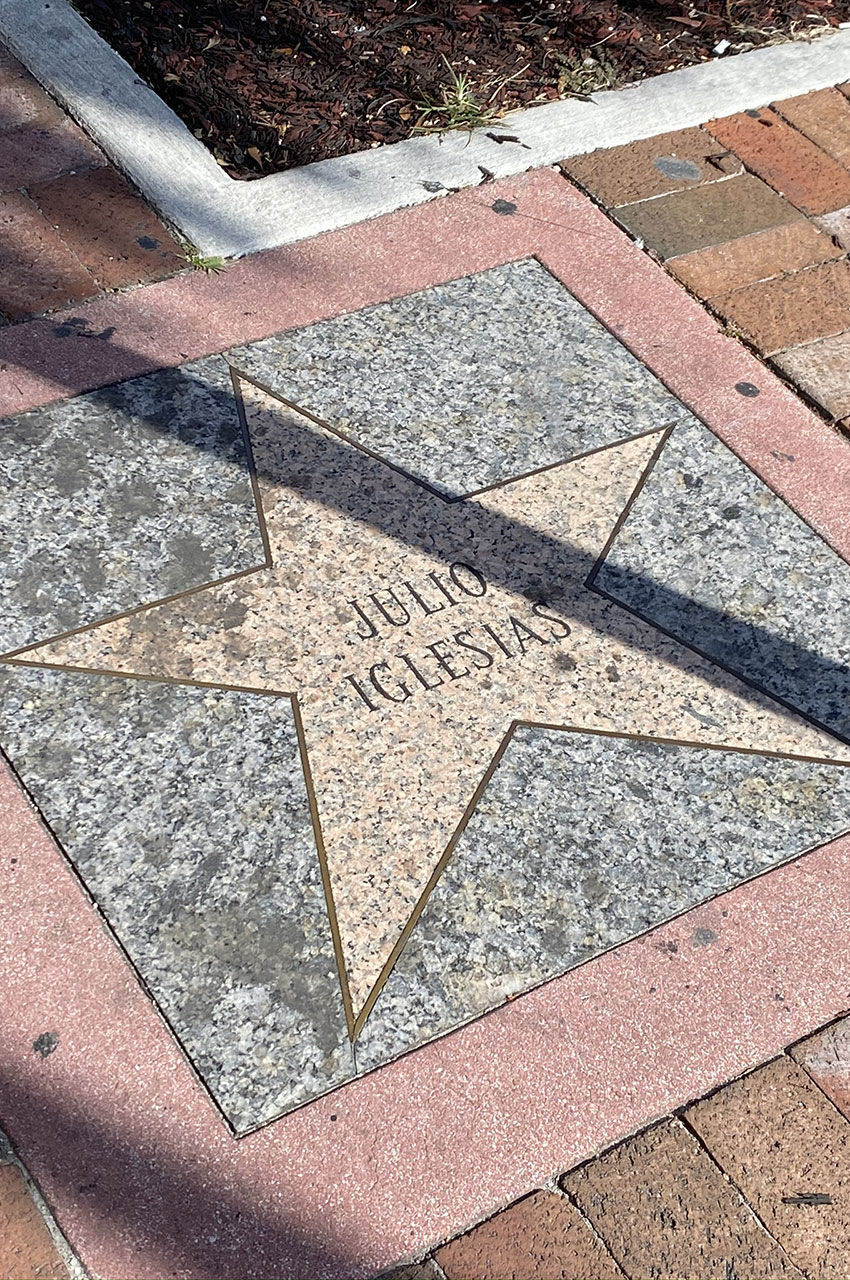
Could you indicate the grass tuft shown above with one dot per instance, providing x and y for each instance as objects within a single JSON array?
[
  {"x": 463, "y": 103},
  {"x": 198, "y": 262},
  {"x": 579, "y": 76}
]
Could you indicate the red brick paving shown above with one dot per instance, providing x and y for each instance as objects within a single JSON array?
[
  {"x": 29, "y": 154},
  {"x": 795, "y": 167},
  {"x": 767, "y": 250},
  {"x": 707, "y": 215},
  {"x": 791, "y": 309},
  {"x": 820, "y": 369},
  {"x": 782, "y": 1142},
  {"x": 725, "y": 267},
  {"x": 652, "y": 167},
  {"x": 22, "y": 100},
  {"x": 426, "y": 1270},
  {"x": 778, "y": 1141},
  {"x": 110, "y": 230},
  {"x": 824, "y": 117},
  {"x": 37, "y": 269},
  {"x": 543, "y": 1237},
  {"x": 825, "y": 1057},
  {"x": 665, "y": 1210},
  {"x": 70, "y": 226},
  {"x": 37, "y": 140},
  {"x": 753, "y": 1181},
  {"x": 27, "y": 1251}
]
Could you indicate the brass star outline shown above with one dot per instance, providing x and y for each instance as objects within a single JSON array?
[{"x": 305, "y": 475}]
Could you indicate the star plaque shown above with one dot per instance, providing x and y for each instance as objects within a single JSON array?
[{"x": 403, "y": 638}]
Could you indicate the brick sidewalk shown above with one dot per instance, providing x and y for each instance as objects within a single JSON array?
[
  {"x": 70, "y": 226},
  {"x": 753, "y": 1181},
  {"x": 752, "y": 214},
  {"x": 27, "y": 1249}
]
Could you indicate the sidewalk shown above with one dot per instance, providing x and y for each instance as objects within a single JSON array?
[
  {"x": 427, "y": 721},
  {"x": 70, "y": 226},
  {"x": 751, "y": 1181},
  {"x": 752, "y": 215}
]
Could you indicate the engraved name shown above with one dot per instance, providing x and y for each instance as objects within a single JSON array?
[
  {"x": 399, "y": 606},
  {"x": 457, "y": 656}
]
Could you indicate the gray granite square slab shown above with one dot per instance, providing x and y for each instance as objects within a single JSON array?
[
  {"x": 122, "y": 496},
  {"x": 710, "y": 555},
  {"x": 411, "y": 632},
  {"x": 468, "y": 383},
  {"x": 579, "y": 842},
  {"x": 184, "y": 811}
]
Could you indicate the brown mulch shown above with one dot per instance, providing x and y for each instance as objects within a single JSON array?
[{"x": 269, "y": 84}]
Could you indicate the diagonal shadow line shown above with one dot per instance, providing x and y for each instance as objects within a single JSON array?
[
  {"x": 575, "y": 564},
  {"x": 583, "y": 567},
  {"x": 497, "y": 531},
  {"x": 339, "y": 450},
  {"x": 116, "y": 1156}
]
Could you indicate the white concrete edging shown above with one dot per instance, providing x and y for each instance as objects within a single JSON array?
[{"x": 222, "y": 216}]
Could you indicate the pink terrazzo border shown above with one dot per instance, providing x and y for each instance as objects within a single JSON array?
[{"x": 124, "y": 1143}]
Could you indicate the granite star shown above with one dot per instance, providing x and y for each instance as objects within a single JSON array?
[{"x": 412, "y": 633}]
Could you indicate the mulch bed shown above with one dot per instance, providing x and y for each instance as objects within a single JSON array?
[{"x": 269, "y": 84}]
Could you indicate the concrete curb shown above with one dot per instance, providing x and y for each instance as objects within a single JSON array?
[{"x": 225, "y": 217}]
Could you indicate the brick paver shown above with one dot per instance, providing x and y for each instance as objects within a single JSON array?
[
  {"x": 37, "y": 270},
  {"x": 652, "y": 167},
  {"x": 22, "y": 99},
  {"x": 108, "y": 227},
  {"x": 791, "y": 309},
  {"x": 763, "y": 1190},
  {"x": 711, "y": 214},
  {"x": 822, "y": 370},
  {"x": 540, "y": 1238},
  {"x": 775, "y": 269},
  {"x": 37, "y": 140},
  {"x": 786, "y": 159},
  {"x": 752, "y": 1182},
  {"x": 29, "y": 155},
  {"x": 824, "y": 117},
  {"x": 70, "y": 226},
  {"x": 665, "y": 1210},
  {"x": 27, "y": 1251},
  {"x": 726, "y": 267},
  {"x": 787, "y": 1148},
  {"x": 826, "y": 1056}
]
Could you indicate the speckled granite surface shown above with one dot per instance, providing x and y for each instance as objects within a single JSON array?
[
  {"x": 412, "y": 632},
  {"x": 713, "y": 557},
  {"x": 184, "y": 811},
  {"x": 121, "y": 496},
  {"x": 396, "y": 751},
  {"x": 578, "y": 843},
  {"x": 468, "y": 383}
]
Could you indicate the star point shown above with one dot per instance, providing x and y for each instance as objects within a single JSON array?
[{"x": 412, "y": 633}]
